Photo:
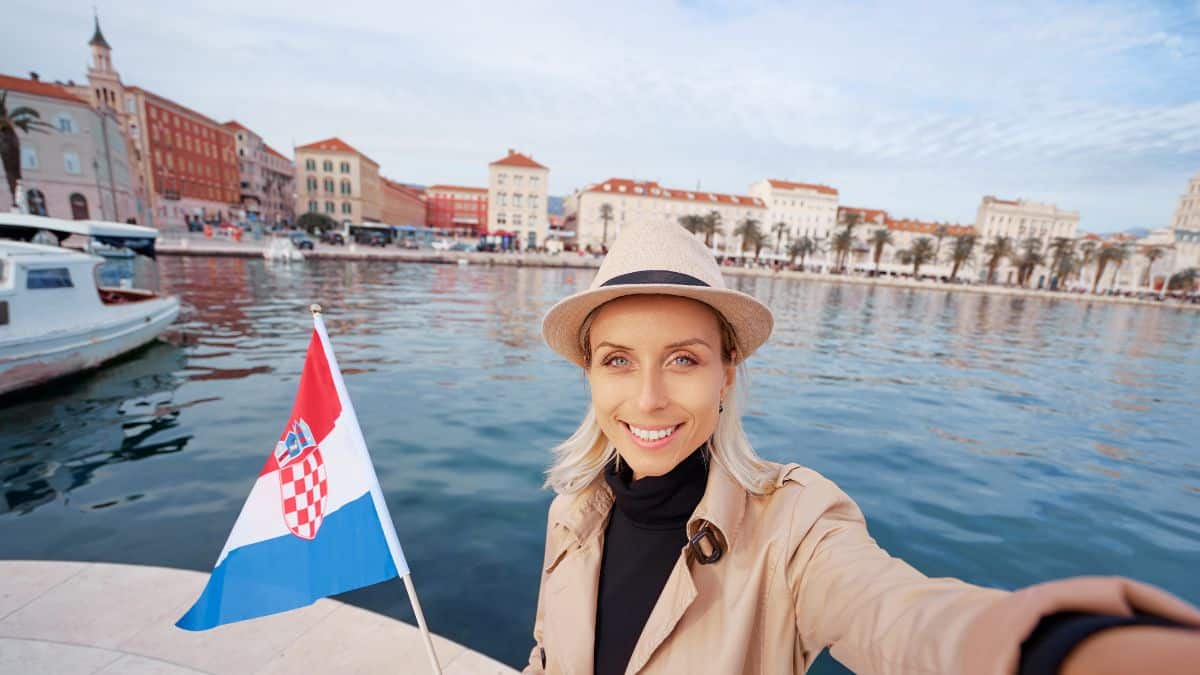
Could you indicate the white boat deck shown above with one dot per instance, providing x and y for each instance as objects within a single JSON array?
[{"x": 76, "y": 618}]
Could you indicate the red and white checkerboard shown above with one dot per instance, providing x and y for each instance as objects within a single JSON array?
[{"x": 304, "y": 489}]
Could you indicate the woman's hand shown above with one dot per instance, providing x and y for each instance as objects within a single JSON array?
[{"x": 1136, "y": 649}]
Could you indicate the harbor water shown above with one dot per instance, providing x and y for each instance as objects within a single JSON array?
[{"x": 1002, "y": 440}]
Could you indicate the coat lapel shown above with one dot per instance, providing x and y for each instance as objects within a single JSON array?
[
  {"x": 677, "y": 595},
  {"x": 574, "y": 581}
]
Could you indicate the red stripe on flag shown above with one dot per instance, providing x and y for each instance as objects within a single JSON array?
[{"x": 317, "y": 401}]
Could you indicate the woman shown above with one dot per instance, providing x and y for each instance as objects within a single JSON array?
[{"x": 673, "y": 548}]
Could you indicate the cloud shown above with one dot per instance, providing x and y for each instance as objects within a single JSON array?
[{"x": 919, "y": 108}]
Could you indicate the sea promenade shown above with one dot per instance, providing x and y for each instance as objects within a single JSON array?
[
  {"x": 200, "y": 246},
  {"x": 98, "y": 618}
]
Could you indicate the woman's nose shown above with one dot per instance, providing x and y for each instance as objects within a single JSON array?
[{"x": 653, "y": 394}]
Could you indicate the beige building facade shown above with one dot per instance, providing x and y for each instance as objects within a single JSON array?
[
  {"x": 518, "y": 194},
  {"x": 266, "y": 178},
  {"x": 1187, "y": 214},
  {"x": 335, "y": 179},
  {"x": 631, "y": 201},
  {"x": 808, "y": 210},
  {"x": 1019, "y": 220}
]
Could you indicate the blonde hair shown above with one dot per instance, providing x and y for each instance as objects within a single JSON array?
[{"x": 580, "y": 459}]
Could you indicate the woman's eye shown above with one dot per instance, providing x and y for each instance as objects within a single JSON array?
[
  {"x": 683, "y": 360},
  {"x": 617, "y": 361}
]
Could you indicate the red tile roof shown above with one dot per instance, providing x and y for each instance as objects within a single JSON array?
[
  {"x": 234, "y": 124},
  {"x": 866, "y": 215},
  {"x": 652, "y": 189},
  {"x": 515, "y": 158},
  {"x": 789, "y": 185},
  {"x": 335, "y": 144},
  {"x": 162, "y": 101},
  {"x": 403, "y": 191},
  {"x": 922, "y": 227},
  {"x": 454, "y": 188},
  {"x": 38, "y": 88},
  {"x": 275, "y": 152}
]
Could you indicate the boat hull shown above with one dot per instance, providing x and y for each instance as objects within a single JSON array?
[{"x": 26, "y": 363}]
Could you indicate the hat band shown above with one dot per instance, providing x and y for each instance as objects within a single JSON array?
[{"x": 654, "y": 277}]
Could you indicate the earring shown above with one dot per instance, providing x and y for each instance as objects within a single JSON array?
[{"x": 721, "y": 407}]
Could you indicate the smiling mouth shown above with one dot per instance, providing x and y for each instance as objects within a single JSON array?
[{"x": 652, "y": 437}]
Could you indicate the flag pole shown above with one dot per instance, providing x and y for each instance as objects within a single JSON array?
[{"x": 408, "y": 584}]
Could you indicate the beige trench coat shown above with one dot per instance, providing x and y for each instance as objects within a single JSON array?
[{"x": 799, "y": 574}]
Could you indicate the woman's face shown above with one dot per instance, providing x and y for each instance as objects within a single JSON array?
[{"x": 657, "y": 378}]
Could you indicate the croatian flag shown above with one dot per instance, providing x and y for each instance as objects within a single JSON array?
[{"x": 315, "y": 523}]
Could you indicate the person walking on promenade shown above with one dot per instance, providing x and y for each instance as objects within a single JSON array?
[{"x": 672, "y": 548}]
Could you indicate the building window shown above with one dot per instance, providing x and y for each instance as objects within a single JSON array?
[
  {"x": 517, "y": 200},
  {"x": 79, "y": 207},
  {"x": 311, "y": 183},
  {"x": 29, "y": 158},
  {"x": 346, "y": 187},
  {"x": 532, "y": 202},
  {"x": 35, "y": 201},
  {"x": 329, "y": 208},
  {"x": 502, "y": 198},
  {"x": 517, "y": 179},
  {"x": 516, "y": 220},
  {"x": 310, "y": 164},
  {"x": 502, "y": 178},
  {"x": 501, "y": 219},
  {"x": 345, "y": 167},
  {"x": 71, "y": 163},
  {"x": 54, "y": 277},
  {"x": 130, "y": 105},
  {"x": 64, "y": 123},
  {"x": 329, "y": 185},
  {"x": 346, "y": 208},
  {"x": 533, "y": 181},
  {"x": 312, "y": 206},
  {"x": 327, "y": 165}
]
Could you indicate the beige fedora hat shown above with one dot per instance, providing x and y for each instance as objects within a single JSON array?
[{"x": 657, "y": 259}]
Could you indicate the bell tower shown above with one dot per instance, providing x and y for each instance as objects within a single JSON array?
[{"x": 106, "y": 89}]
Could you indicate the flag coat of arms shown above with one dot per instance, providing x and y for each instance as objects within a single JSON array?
[{"x": 315, "y": 523}]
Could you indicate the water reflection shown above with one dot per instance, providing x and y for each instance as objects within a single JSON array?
[{"x": 1003, "y": 440}]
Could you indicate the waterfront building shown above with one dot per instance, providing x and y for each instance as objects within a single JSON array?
[
  {"x": 808, "y": 210},
  {"x": 337, "y": 180},
  {"x": 461, "y": 209},
  {"x": 1185, "y": 231},
  {"x": 1019, "y": 220},
  {"x": 630, "y": 201},
  {"x": 184, "y": 163},
  {"x": 265, "y": 177},
  {"x": 1187, "y": 214},
  {"x": 906, "y": 231},
  {"x": 403, "y": 204},
  {"x": 79, "y": 168},
  {"x": 518, "y": 192}
]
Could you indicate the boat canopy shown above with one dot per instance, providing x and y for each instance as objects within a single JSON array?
[{"x": 23, "y": 227}]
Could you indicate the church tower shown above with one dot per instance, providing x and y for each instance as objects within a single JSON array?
[{"x": 106, "y": 90}]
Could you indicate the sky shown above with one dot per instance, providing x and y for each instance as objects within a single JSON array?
[{"x": 917, "y": 108}]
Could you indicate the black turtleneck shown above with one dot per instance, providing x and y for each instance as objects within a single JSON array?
[{"x": 646, "y": 532}]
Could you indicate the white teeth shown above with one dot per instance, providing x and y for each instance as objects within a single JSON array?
[{"x": 651, "y": 435}]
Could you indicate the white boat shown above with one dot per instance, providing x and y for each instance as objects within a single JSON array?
[
  {"x": 282, "y": 249},
  {"x": 63, "y": 310}
]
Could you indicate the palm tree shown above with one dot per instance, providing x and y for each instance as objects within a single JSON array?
[
  {"x": 1151, "y": 253},
  {"x": 964, "y": 246},
  {"x": 1108, "y": 254},
  {"x": 941, "y": 231},
  {"x": 1183, "y": 280},
  {"x": 1029, "y": 259},
  {"x": 712, "y": 225},
  {"x": 606, "y": 214},
  {"x": 880, "y": 238},
  {"x": 920, "y": 253},
  {"x": 1087, "y": 255},
  {"x": 26, "y": 119},
  {"x": 998, "y": 249},
  {"x": 750, "y": 234},
  {"x": 1118, "y": 257},
  {"x": 692, "y": 223},
  {"x": 1062, "y": 254},
  {"x": 802, "y": 247},
  {"x": 758, "y": 239},
  {"x": 779, "y": 229},
  {"x": 841, "y": 244}
]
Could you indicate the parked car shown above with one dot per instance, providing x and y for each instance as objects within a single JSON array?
[
  {"x": 333, "y": 237},
  {"x": 301, "y": 240},
  {"x": 462, "y": 246},
  {"x": 369, "y": 238},
  {"x": 409, "y": 244},
  {"x": 442, "y": 244}
]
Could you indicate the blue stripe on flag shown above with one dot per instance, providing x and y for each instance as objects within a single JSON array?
[{"x": 287, "y": 572}]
